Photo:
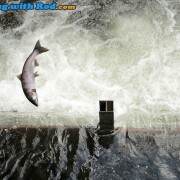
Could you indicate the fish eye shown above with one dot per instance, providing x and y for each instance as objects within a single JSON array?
[{"x": 33, "y": 95}]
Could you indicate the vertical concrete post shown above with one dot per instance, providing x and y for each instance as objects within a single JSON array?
[{"x": 106, "y": 116}]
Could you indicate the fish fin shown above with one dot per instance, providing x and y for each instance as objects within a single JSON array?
[
  {"x": 34, "y": 90},
  {"x": 36, "y": 74},
  {"x": 40, "y": 48},
  {"x": 36, "y": 63},
  {"x": 19, "y": 77}
]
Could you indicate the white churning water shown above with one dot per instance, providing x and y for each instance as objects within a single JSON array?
[{"x": 129, "y": 53}]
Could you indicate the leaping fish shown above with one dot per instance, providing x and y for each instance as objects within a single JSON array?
[{"x": 27, "y": 77}]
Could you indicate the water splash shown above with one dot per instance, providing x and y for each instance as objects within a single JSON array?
[{"x": 124, "y": 51}]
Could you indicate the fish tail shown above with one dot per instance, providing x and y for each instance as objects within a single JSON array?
[{"x": 40, "y": 48}]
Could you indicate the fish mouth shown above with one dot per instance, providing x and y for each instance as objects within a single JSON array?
[
  {"x": 36, "y": 104},
  {"x": 33, "y": 102}
]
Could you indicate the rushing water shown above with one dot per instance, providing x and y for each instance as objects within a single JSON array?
[
  {"x": 70, "y": 154},
  {"x": 126, "y": 51}
]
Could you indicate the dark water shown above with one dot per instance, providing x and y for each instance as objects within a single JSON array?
[{"x": 80, "y": 153}]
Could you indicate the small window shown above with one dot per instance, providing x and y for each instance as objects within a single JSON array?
[{"x": 106, "y": 105}]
